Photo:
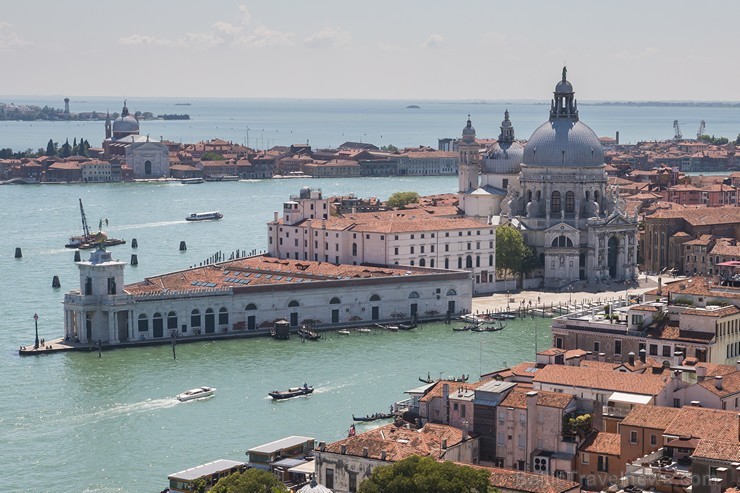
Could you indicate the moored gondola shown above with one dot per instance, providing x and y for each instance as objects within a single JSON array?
[{"x": 372, "y": 417}]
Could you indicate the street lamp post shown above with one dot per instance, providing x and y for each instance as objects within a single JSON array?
[{"x": 36, "y": 323}]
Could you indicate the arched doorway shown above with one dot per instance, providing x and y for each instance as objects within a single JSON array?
[
  {"x": 294, "y": 313},
  {"x": 375, "y": 308},
  {"x": 612, "y": 256},
  {"x": 210, "y": 321},
  {"x": 335, "y": 311},
  {"x": 147, "y": 167},
  {"x": 251, "y": 318}
]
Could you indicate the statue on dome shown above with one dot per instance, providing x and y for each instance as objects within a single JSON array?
[{"x": 565, "y": 70}]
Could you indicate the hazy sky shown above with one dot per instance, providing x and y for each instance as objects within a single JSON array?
[{"x": 418, "y": 49}]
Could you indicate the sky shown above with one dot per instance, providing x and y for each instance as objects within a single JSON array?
[{"x": 378, "y": 49}]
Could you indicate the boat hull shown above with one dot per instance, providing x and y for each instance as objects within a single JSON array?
[
  {"x": 293, "y": 392},
  {"x": 198, "y": 393}
]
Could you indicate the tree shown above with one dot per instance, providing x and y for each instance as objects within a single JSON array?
[
  {"x": 212, "y": 156},
  {"x": 66, "y": 149},
  {"x": 399, "y": 200},
  {"x": 426, "y": 475},
  {"x": 249, "y": 481},
  {"x": 510, "y": 250},
  {"x": 51, "y": 148},
  {"x": 389, "y": 148}
]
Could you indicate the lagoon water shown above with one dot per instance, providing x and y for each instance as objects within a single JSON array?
[
  {"x": 75, "y": 422},
  {"x": 78, "y": 423}
]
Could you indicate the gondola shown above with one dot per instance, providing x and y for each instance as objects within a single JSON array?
[
  {"x": 291, "y": 392},
  {"x": 309, "y": 334},
  {"x": 461, "y": 329},
  {"x": 407, "y": 326},
  {"x": 372, "y": 417},
  {"x": 427, "y": 380}
]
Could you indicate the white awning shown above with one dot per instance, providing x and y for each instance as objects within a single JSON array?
[
  {"x": 630, "y": 398},
  {"x": 305, "y": 468}
]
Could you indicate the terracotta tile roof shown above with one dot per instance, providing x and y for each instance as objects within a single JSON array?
[
  {"x": 517, "y": 398},
  {"x": 592, "y": 378},
  {"x": 602, "y": 442},
  {"x": 699, "y": 422},
  {"x": 526, "y": 369},
  {"x": 260, "y": 271},
  {"x": 398, "y": 442},
  {"x": 671, "y": 332},
  {"x": 400, "y": 221},
  {"x": 696, "y": 286},
  {"x": 702, "y": 216},
  {"x": 656, "y": 417},
  {"x": 730, "y": 385},
  {"x": 718, "y": 450},
  {"x": 644, "y": 308},
  {"x": 528, "y": 482},
  {"x": 553, "y": 351},
  {"x": 438, "y": 389},
  {"x": 725, "y": 311}
]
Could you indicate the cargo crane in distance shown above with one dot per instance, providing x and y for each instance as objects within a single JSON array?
[
  {"x": 677, "y": 135},
  {"x": 700, "y": 132}
]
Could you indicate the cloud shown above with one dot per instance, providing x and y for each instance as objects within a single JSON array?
[
  {"x": 433, "y": 42},
  {"x": 9, "y": 38},
  {"x": 328, "y": 37},
  {"x": 190, "y": 40},
  {"x": 245, "y": 18},
  {"x": 263, "y": 36},
  {"x": 228, "y": 29}
]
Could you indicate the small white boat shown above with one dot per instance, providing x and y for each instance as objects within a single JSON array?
[
  {"x": 470, "y": 318},
  {"x": 191, "y": 181},
  {"x": 204, "y": 216},
  {"x": 344, "y": 332},
  {"x": 363, "y": 329},
  {"x": 197, "y": 393}
]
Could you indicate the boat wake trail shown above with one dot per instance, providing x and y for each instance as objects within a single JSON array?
[{"x": 128, "y": 227}]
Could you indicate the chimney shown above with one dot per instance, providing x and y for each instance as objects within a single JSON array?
[
  {"x": 642, "y": 355},
  {"x": 602, "y": 357},
  {"x": 322, "y": 446},
  {"x": 701, "y": 373},
  {"x": 343, "y": 450},
  {"x": 631, "y": 357},
  {"x": 444, "y": 444},
  {"x": 276, "y": 216},
  {"x": 382, "y": 454},
  {"x": 660, "y": 286},
  {"x": 532, "y": 404},
  {"x": 617, "y": 137},
  {"x": 365, "y": 451},
  {"x": 718, "y": 382},
  {"x": 695, "y": 403},
  {"x": 577, "y": 360},
  {"x": 737, "y": 365}
]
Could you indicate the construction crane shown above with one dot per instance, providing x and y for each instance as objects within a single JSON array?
[
  {"x": 85, "y": 228},
  {"x": 677, "y": 135},
  {"x": 700, "y": 132}
]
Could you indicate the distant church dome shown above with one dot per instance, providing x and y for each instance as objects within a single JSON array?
[
  {"x": 505, "y": 156},
  {"x": 125, "y": 124},
  {"x": 563, "y": 140},
  {"x": 468, "y": 133}
]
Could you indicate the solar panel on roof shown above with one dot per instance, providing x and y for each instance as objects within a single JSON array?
[
  {"x": 268, "y": 276},
  {"x": 288, "y": 279},
  {"x": 246, "y": 274},
  {"x": 258, "y": 276},
  {"x": 277, "y": 278}
]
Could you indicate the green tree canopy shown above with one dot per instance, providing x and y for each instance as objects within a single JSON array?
[
  {"x": 51, "y": 148},
  {"x": 212, "y": 156},
  {"x": 426, "y": 475},
  {"x": 399, "y": 200},
  {"x": 510, "y": 249},
  {"x": 250, "y": 481}
]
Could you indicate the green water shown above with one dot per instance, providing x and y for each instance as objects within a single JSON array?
[{"x": 77, "y": 422}]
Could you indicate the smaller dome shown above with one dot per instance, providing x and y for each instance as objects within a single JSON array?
[
  {"x": 564, "y": 87},
  {"x": 468, "y": 133},
  {"x": 314, "y": 487},
  {"x": 125, "y": 124}
]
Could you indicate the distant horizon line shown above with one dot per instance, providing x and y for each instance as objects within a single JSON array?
[{"x": 185, "y": 99}]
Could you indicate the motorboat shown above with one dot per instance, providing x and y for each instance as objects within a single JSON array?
[
  {"x": 309, "y": 334},
  {"x": 364, "y": 329},
  {"x": 291, "y": 392},
  {"x": 344, "y": 332},
  {"x": 470, "y": 318},
  {"x": 197, "y": 393},
  {"x": 191, "y": 181},
  {"x": 204, "y": 216},
  {"x": 407, "y": 326}
]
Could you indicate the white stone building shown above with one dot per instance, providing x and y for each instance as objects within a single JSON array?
[
  {"x": 248, "y": 295},
  {"x": 412, "y": 237},
  {"x": 563, "y": 205},
  {"x": 147, "y": 157}
]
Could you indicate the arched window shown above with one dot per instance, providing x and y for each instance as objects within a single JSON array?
[
  {"x": 375, "y": 297},
  {"x": 293, "y": 304},
  {"x": 172, "y": 321},
  {"x": 413, "y": 294},
  {"x": 596, "y": 195},
  {"x": 195, "y": 319},
  {"x": 529, "y": 195},
  {"x": 143, "y": 323},
  {"x": 469, "y": 262},
  {"x": 451, "y": 292},
  {"x": 459, "y": 262},
  {"x": 335, "y": 301},
  {"x": 157, "y": 325},
  {"x": 490, "y": 261},
  {"x": 411, "y": 263},
  {"x": 555, "y": 202},
  {"x": 354, "y": 249},
  {"x": 251, "y": 306},
  {"x": 562, "y": 241},
  {"x": 570, "y": 201},
  {"x": 223, "y": 316},
  {"x": 422, "y": 262},
  {"x": 210, "y": 321},
  {"x": 147, "y": 167}
]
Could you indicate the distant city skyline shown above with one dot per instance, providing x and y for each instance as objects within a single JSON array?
[{"x": 621, "y": 51}]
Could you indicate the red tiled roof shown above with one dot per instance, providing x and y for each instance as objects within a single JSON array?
[
  {"x": 592, "y": 378},
  {"x": 517, "y": 398},
  {"x": 656, "y": 417},
  {"x": 602, "y": 443},
  {"x": 699, "y": 422}
]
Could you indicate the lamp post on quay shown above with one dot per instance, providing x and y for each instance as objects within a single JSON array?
[{"x": 36, "y": 323}]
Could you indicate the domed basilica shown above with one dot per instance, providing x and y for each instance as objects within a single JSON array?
[
  {"x": 147, "y": 158},
  {"x": 556, "y": 194}
]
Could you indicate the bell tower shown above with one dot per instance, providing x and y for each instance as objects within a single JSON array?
[{"x": 469, "y": 166}]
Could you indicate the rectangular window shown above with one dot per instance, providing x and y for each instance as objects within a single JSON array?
[
  {"x": 617, "y": 347},
  {"x": 667, "y": 351},
  {"x": 603, "y": 463},
  {"x": 352, "y": 482},
  {"x": 395, "y": 251},
  {"x": 412, "y": 250},
  {"x": 653, "y": 350},
  {"x": 584, "y": 458},
  {"x": 329, "y": 483},
  {"x": 633, "y": 437},
  {"x": 421, "y": 249},
  {"x": 431, "y": 248},
  {"x": 559, "y": 342},
  {"x": 676, "y": 402},
  {"x": 367, "y": 237},
  {"x": 653, "y": 440},
  {"x": 597, "y": 346}
]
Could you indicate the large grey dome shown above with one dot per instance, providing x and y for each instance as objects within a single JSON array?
[
  {"x": 125, "y": 124},
  {"x": 563, "y": 142}
]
